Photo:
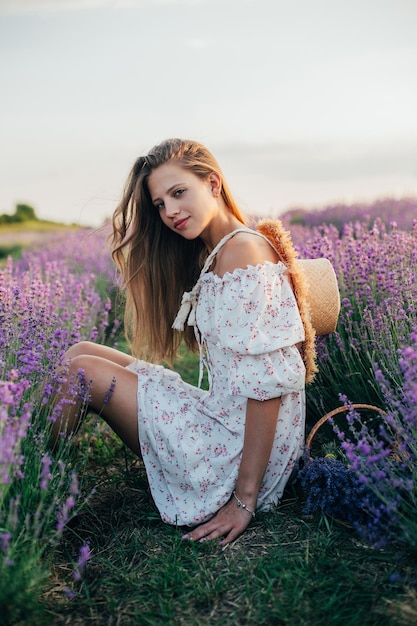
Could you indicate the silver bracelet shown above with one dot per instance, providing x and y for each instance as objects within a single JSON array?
[{"x": 242, "y": 505}]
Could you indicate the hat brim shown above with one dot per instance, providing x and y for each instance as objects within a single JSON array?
[{"x": 322, "y": 294}]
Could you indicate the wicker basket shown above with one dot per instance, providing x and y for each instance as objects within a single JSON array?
[{"x": 340, "y": 409}]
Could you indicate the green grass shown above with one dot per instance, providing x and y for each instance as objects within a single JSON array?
[
  {"x": 285, "y": 570},
  {"x": 13, "y": 250},
  {"x": 35, "y": 225}
]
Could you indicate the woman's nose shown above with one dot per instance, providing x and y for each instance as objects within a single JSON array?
[{"x": 171, "y": 209}]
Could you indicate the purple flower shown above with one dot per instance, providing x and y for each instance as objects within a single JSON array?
[
  {"x": 335, "y": 490},
  {"x": 69, "y": 593},
  {"x": 384, "y": 456},
  {"x": 64, "y": 513},
  {"x": 74, "y": 488},
  {"x": 46, "y": 476},
  {"x": 5, "y": 541},
  {"x": 14, "y": 423},
  {"x": 84, "y": 557},
  {"x": 109, "y": 392}
]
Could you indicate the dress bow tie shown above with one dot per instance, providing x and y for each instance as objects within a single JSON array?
[{"x": 187, "y": 308}]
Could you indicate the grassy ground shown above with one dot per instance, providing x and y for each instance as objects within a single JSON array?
[{"x": 285, "y": 570}]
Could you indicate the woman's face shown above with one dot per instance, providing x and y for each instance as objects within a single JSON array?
[{"x": 187, "y": 204}]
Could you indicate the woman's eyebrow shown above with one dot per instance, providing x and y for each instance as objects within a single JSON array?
[{"x": 173, "y": 187}]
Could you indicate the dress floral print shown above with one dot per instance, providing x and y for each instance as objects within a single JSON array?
[{"x": 191, "y": 439}]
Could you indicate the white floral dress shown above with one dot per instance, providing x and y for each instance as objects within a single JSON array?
[{"x": 191, "y": 439}]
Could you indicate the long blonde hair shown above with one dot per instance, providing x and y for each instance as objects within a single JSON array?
[{"x": 156, "y": 264}]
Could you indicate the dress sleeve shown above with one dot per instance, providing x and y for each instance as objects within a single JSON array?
[{"x": 259, "y": 325}]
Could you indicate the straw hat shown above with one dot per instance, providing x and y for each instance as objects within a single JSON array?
[
  {"x": 314, "y": 281},
  {"x": 322, "y": 293}
]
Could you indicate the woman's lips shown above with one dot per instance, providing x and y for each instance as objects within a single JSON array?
[{"x": 179, "y": 224}]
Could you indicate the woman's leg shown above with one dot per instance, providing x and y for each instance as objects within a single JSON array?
[
  {"x": 84, "y": 348},
  {"x": 112, "y": 392}
]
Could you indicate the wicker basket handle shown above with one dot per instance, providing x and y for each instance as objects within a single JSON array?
[{"x": 340, "y": 409}]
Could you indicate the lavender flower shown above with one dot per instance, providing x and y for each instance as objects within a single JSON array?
[
  {"x": 109, "y": 392},
  {"x": 63, "y": 514},
  {"x": 404, "y": 209},
  {"x": 384, "y": 458},
  {"x": 14, "y": 423},
  {"x": 5, "y": 541},
  {"x": 335, "y": 490},
  {"x": 50, "y": 299},
  {"x": 45, "y": 473},
  {"x": 84, "y": 557}
]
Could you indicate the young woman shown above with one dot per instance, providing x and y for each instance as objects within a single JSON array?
[{"x": 212, "y": 457}]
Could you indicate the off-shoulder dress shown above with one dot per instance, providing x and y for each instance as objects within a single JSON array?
[{"x": 248, "y": 326}]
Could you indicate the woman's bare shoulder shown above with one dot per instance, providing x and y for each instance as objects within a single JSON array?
[{"x": 242, "y": 250}]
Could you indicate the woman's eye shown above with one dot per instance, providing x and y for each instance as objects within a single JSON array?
[
  {"x": 178, "y": 192},
  {"x": 159, "y": 206}
]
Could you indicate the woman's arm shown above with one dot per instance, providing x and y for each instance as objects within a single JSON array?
[
  {"x": 231, "y": 520},
  {"x": 260, "y": 426}
]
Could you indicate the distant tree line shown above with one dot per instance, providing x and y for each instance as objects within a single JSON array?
[{"x": 23, "y": 213}]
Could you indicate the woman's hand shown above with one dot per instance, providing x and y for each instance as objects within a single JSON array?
[{"x": 229, "y": 522}]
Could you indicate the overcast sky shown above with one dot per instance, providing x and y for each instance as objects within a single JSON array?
[{"x": 303, "y": 102}]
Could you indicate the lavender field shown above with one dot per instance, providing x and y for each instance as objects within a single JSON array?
[{"x": 66, "y": 291}]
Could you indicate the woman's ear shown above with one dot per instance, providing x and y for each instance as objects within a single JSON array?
[{"x": 215, "y": 184}]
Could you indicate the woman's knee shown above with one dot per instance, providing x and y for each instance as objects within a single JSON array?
[
  {"x": 83, "y": 348},
  {"x": 91, "y": 367}
]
